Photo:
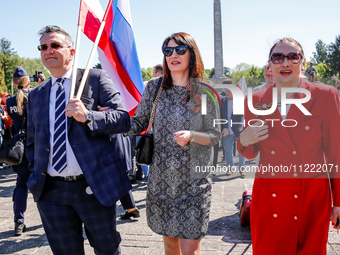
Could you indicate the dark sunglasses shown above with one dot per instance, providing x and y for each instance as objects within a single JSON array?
[
  {"x": 54, "y": 45},
  {"x": 180, "y": 50},
  {"x": 292, "y": 57}
]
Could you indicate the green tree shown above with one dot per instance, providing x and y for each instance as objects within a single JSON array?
[
  {"x": 3, "y": 87},
  {"x": 209, "y": 73},
  {"x": 147, "y": 73},
  {"x": 320, "y": 56},
  {"x": 240, "y": 70},
  {"x": 9, "y": 60},
  {"x": 323, "y": 71},
  {"x": 31, "y": 65},
  {"x": 333, "y": 57},
  {"x": 97, "y": 66}
]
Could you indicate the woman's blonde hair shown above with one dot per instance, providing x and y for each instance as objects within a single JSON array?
[{"x": 20, "y": 83}]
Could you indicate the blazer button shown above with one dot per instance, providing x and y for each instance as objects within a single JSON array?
[
  {"x": 296, "y": 196},
  {"x": 307, "y": 127},
  {"x": 48, "y": 150},
  {"x": 275, "y": 215},
  {"x": 272, "y": 152},
  {"x": 274, "y": 195},
  {"x": 295, "y": 217},
  {"x": 88, "y": 190},
  {"x": 294, "y": 152}
]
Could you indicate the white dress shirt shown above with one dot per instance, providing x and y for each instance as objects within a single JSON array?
[{"x": 73, "y": 167}]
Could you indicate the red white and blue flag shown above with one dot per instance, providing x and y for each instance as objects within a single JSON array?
[{"x": 116, "y": 49}]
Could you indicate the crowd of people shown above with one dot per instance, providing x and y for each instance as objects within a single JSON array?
[{"x": 79, "y": 158}]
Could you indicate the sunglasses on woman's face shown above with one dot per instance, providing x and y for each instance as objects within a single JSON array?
[
  {"x": 292, "y": 57},
  {"x": 180, "y": 50},
  {"x": 54, "y": 45}
]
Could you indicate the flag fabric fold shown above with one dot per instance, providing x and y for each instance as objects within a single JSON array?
[
  {"x": 117, "y": 48},
  {"x": 242, "y": 84}
]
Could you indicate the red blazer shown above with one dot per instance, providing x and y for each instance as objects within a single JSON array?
[{"x": 290, "y": 211}]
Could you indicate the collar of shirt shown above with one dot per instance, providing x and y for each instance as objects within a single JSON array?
[{"x": 67, "y": 75}]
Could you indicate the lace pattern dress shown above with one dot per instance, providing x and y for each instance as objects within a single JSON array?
[{"x": 178, "y": 196}]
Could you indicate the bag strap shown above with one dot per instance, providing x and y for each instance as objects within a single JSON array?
[
  {"x": 155, "y": 101},
  {"x": 159, "y": 83}
]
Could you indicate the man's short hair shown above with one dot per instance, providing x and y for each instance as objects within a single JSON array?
[
  {"x": 227, "y": 81},
  {"x": 158, "y": 69},
  {"x": 58, "y": 30}
]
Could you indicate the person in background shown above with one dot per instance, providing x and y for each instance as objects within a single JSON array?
[
  {"x": 6, "y": 119},
  {"x": 290, "y": 210},
  {"x": 311, "y": 72},
  {"x": 3, "y": 116},
  {"x": 17, "y": 111},
  {"x": 337, "y": 82},
  {"x": 157, "y": 71},
  {"x": 127, "y": 201},
  {"x": 178, "y": 198},
  {"x": 231, "y": 131},
  {"x": 268, "y": 76}
]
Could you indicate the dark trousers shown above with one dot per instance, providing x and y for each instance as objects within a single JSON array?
[
  {"x": 20, "y": 191},
  {"x": 136, "y": 171},
  {"x": 127, "y": 201},
  {"x": 65, "y": 207}
]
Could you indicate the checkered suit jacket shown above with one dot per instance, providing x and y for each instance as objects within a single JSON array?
[{"x": 99, "y": 154}]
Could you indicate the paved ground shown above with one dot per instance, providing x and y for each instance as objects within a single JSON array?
[{"x": 225, "y": 235}]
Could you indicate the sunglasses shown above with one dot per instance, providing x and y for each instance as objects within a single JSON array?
[
  {"x": 180, "y": 50},
  {"x": 54, "y": 45},
  {"x": 292, "y": 57}
]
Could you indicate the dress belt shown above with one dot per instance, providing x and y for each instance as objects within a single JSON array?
[{"x": 67, "y": 178}]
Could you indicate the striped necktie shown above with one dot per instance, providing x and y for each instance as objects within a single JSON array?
[{"x": 59, "y": 161}]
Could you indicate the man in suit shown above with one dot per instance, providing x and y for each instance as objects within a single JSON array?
[
  {"x": 78, "y": 169},
  {"x": 230, "y": 132}
]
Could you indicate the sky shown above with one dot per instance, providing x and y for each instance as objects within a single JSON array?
[{"x": 249, "y": 28}]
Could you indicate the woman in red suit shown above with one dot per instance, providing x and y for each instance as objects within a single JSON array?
[{"x": 299, "y": 159}]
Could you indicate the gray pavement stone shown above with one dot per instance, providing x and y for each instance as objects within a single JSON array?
[{"x": 225, "y": 235}]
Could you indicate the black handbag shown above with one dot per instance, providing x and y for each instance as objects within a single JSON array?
[
  {"x": 145, "y": 146},
  {"x": 11, "y": 152}
]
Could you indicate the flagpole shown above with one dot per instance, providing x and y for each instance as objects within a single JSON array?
[
  {"x": 75, "y": 62},
  {"x": 96, "y": 42}
]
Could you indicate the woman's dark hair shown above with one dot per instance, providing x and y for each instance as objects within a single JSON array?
[
  {"x": 286, "y": 40},
  {"x": 196, "y": 68}
]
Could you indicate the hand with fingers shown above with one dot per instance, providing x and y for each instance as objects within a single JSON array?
[
  {"x": 76, "y": 109},
  {"x": 182, "y": 137},
  {"x": 254, "y": 134},
  {"x": 225, "y": 132}
]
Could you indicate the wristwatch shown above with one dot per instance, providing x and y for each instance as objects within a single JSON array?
[{"x": 89, "y": 118}]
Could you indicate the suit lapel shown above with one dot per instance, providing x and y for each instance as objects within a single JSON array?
[{"x": 45, "y": 101}]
